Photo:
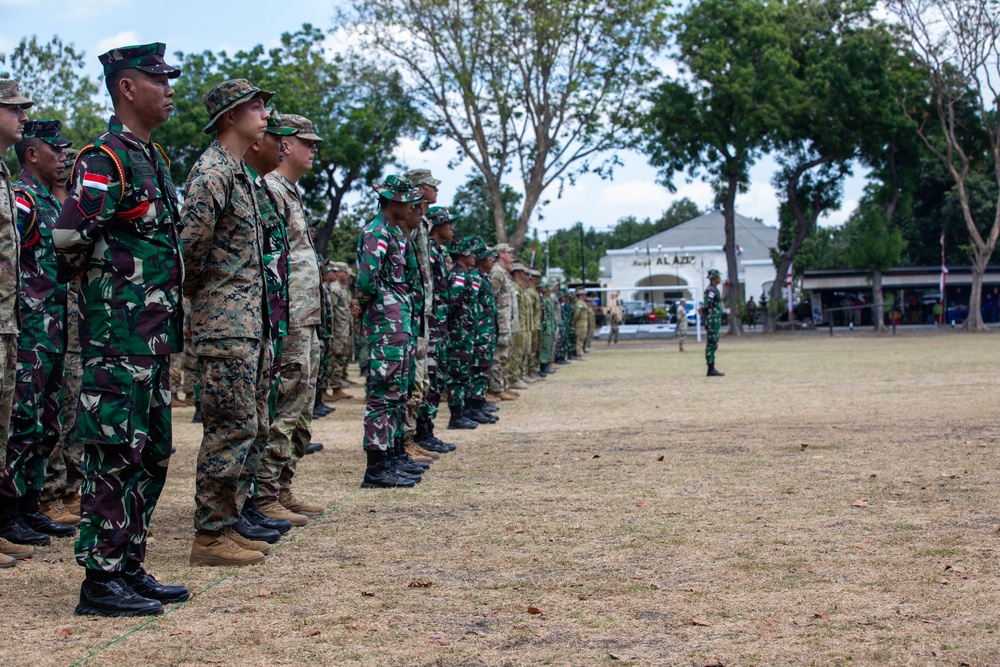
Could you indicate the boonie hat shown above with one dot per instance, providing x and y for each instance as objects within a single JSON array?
[
  {"x": 397, "y": 188},
  {"x": 228, "y": 95}
]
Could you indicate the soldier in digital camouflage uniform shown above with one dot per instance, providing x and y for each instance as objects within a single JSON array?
[
  {"x": 12, "y": 119},
  {"x": 485, "y": 336},
  {"x": 224, "y": 278},
  {"x": 291, "y": 431},
  {"x": 712, "y": 310},
  {"x": 35, "y": 420},
  {"x": 118, "y": 231},
  {"x": 504, "y": 295},
  {"x": 262, "y": 158},
  {"x": 385, "y": 304},
  {"x": 340, "y": 344},
  {"x": 535, "y": 301}
]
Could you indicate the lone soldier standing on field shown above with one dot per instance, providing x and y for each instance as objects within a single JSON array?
[
  {"x": 680, "y": 312},
  {"x": 224, "y": 278},
  {"x": 712, "y": 311},
  {"x": 119, "y": 231}
]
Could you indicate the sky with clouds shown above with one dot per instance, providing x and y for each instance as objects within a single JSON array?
[{"x": 184, "y": 25}]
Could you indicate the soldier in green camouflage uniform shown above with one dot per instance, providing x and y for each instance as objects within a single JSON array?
[
  {"x": 384, "y": 302},
  {"x": 35, "y": 421},
  {"x": 462, "y": 317},
  {"x": 712, "y": 310},
  {"x": 546, "y": 351},
  {"x": 485, "y": 340},
  {"x": 291, "y": 431},
  {"x": 118, "y": 231},
  {"x": 569, "y": 337},
  {"x": 224, "y": 277}
]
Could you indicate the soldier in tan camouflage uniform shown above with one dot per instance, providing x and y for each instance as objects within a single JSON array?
[
  {"x": 12, "y": 119},
  {"x": 535, "y": 299},
  {"x": 503, "y": 289},
  {"x": 291, "y": 431},
  {"x": 223, "y": 254}
]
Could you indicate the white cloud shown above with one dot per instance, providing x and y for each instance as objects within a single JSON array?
[
  {"x": 126, "y": 38},
  {"x": 81, "y": 11},
  {"x": 760, "y": 201}
]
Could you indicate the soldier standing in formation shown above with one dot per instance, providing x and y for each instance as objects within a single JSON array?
[
  {"x": 712, "y": 311},
  {"x": 119, "y": 232},
  {"x": 680, "y": 313},
  {"x": 505, "y": 295}
]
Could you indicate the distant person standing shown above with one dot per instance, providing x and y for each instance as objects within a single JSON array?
[
  {"x": 614, "y": 321},
  {"x": 680, "y": 313},
  {"x": 712, "y": 311},
  {"x": 751, "y": 313}
]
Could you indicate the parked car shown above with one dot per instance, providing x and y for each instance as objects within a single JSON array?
[{"x": 636, "y": 312}]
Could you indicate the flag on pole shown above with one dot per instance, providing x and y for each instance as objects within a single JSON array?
[
  {"x": 944, "y": 268},
  {"x": 788, "y": 284}
]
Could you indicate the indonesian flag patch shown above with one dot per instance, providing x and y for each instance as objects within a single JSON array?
[
  {"x": 23, "y": 205},
  {"x": 95, "y": 181},
  {"x": 459, "y": 281},
  {"x": 381, "y": 246},
  {"x": 475, "y": 285}
]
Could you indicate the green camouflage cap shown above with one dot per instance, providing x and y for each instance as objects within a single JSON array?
[
  {"x": 10, "y": 95},
  {"x": 46, "y": 130},
  {"x": 303, "y": 126},
  {"x": 143, "y": 57},
  {"x": 480, "y": 249},
  {"x": 714, "y": 273},
  {"x": 275, "y": 126},
  {"x": 228, "y": 95},
  {"x": 465, "y": 246},
  {"x": 398, "y": 188},
  {"x": 422, "y": 177},
  {"x": 440, "y": 215}
]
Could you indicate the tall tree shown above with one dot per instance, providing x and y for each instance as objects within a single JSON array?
[
  {"x": 958, "y": 43},
  {"x": 876, "y": 245},
  {"x": 543, "y": 89},
  {"x": 727, "y": 104},
  {"x": 473, "y": 209}
]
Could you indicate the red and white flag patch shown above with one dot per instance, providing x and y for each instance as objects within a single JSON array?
[
  {"x": 23, "y": 205},
  {"x": 381, "y": 246},
  {"x": 459, "y": 281},
  {"x": 95, "y": 182},
  {"x": 475, "y": 285}
]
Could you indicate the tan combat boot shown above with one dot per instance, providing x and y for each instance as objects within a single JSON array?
[
  {"x": 218, "y": 550},
  {"x": 6, "y": 561},
  {"x": 493, "y": 398},
  {"x": 519, "y": 384},
  {"x": 413, "y": 449},
  {"x": 272, "y": 509},
  {"x": 15, "y": 551},
  {"x": 72, "y": 503},
  {"x": 56, "y": 511},
  {"x": 246, "y": 542},
  {"x": 508, "y": 395},
  {"x": 293, "y": 504},
  {"x": 340, "y": 395}
]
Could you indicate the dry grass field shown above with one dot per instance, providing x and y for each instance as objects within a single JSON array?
[{"x": 831, "y": 501}]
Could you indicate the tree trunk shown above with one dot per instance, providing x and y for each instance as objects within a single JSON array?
[
  {"x": 335, "y": 195},
  {"x": 732, "y": 270},
  {"x": 878, "y": 302}
]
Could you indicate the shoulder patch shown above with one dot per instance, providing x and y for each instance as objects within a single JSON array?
[{"x": 27, "y": 217}]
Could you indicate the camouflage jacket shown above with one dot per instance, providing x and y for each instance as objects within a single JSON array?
[
  {"x": 421, "y": 246},
  {"x": 486, "y": 316},
  {"x": 712, "y": 307},
  {"x": 415, "y": 279},
  {"x": 535, "y": 303},
  {"x": 43, "y": 299},
  {"x": 223, "y": 249},
  {"x": 557, "y": 311},
  {"x": 549, "y": 323},
  {"x": 503, "y": 292},
  {"x": 383, "y": 291},
  {"x": 325, "y": 330},
  {"x": 523, "y": 309},
  {"x": 341, "y": 302},
  {"x": 580, "y": 315},
  {"x": 118, "y": 230},
  {"x": 462, "y": 310},
  {"x": 275, "y": 255},
  {"x": 10, "y": 247},
  {"x": 304, "y": 307},
  {"x": 441, "y": 284}
]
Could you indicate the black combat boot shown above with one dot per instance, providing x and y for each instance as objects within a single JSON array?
[
  {"x": 251, "y": 512},
  {"x": 484, "y": 406},
  {"x": 460, "y": 421},
  {"x": 107, "y": 594},
  {"x": 38, "y": 522},
  {"x": 477, "y": 415},
  {"x": 255, "y": 533},
  {"x": 431, "y": 441},
  {"x": 714, "y": 373},
  {"x": 314, "y": 447},
  {"x": 402, "y": 462},
  {"x": 14, "y": 529},
  {"x": 146, "y": 585},
  {"x": 196, "y": 419},
  {"x": 379, "y": 475}
]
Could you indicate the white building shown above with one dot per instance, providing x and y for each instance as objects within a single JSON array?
[{"x": 673, "y": 263}]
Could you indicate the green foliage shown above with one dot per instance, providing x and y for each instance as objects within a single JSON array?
[
  {"x": 874, "y": 243},
  {"x": 474, "y": 212}
]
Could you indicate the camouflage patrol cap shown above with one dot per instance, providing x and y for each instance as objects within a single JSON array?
[
  {"x": 397, "y": 188},
  {"x": 503, "y": 247},
  {"x": 303, "y": 126},
  {"x": 143, "y": 57},
  {"x": 422, "y": 177},
  {"x": 482, "y": 251},
  {"x": 228, "y": 95},
  {"x": 48, "y": 131},
  {"x": 535, "y": 273},
  {"x": 10, "y": 95},
  {"x": 440, "y": 215},
  {"x": 517, "y": 266},
  {"x": 464, "y": 246},
  {"x": 714, "y": 273},
  {"x": 275, "y": 126},
  {"x": 341, "y": 266}
]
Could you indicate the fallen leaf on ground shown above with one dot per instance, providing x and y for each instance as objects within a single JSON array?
[
  {"x": 954, "y": 568},
  {"x": 803, "y": 445},
  {"x": 660, "y": 458},
  {"x": 820, "y": 616},
  {"x": 311, "y": 632},
  {"x": 179, "y": 632},
  {"x": 420, "y": 584},
  {"x": 367, "y": 594},
  {"x": 263, "y": 593},
  {"x": 619, "y": 656},
  {"x": 700, "y": 621},
  {"x": 772, "y": 622},
  {"x": 860, "y": 503},
  {"x": 641, "y": 503},
  {"x": 596, "y": 456},
  {"x": 713, "y": 663},
  {"x": 65, "y": 632},
  {"x": 215, "y": 661},
  {"x": 534, "y": 610}
]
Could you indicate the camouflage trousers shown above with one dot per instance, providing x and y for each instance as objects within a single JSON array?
[
  {"x": 344, "y": 360},
  {"x": 516, "y": 356},
  {"x": 711, "y": 341},
  {"x": 8, "y": 369},
  {"x": 190, "y": 384},
  {"x": 335, "y": 368},
  {"x": 459, "y": 375},
  {"x": 123, "y": 421},
  {"x": 65, "y": 470},
  {"x": 391, "y": 373},
  {"x": 235, "y": 384},
  {"x": 613, "y": 335},
  {"x": 581, "y": 339},
  {"x": 436, "y": 358},
  {"x": 534, "y": 354},
  {"x": 291, "y": 429},
  {"x": 682, "y": 333},
  {"x": 418, "y": 390},
  {"x": 479, "y": 371},
  {"x": 546, "y": 347},
  {"x": 35, "y": 422},
  {"x": 498, "y": 369}
]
